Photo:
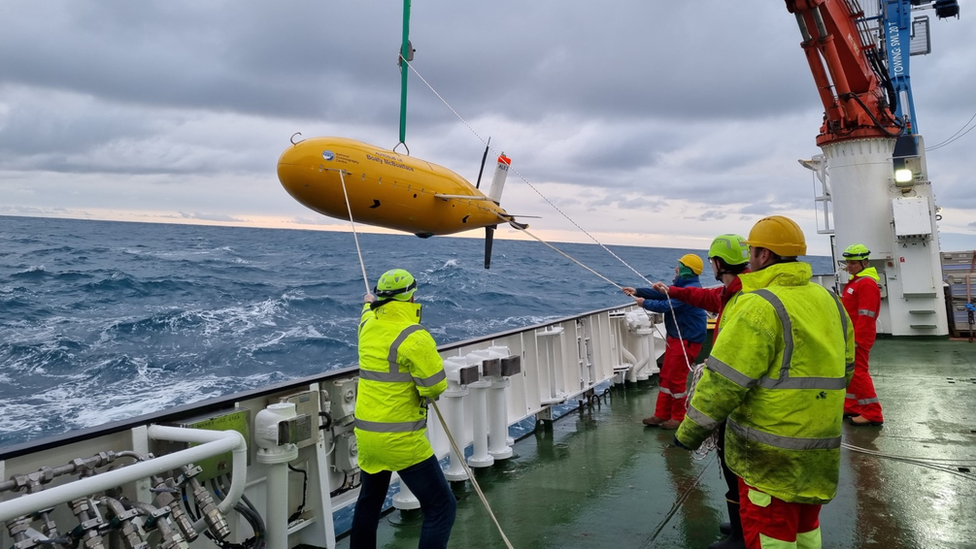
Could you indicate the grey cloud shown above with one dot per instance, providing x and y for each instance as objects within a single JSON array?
[
  {"x": 652, "y": 101},
  {"x": 959, "y": 194},
  {"x": 35, "y": 211},
  {"x": 712, "y": 215},
  {"x": 311, "y": 221},
  {"x": 209, "y": 216},
  {"x": 298, "y": 59}
]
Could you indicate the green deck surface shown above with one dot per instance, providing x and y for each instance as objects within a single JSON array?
[{"x": 602, "y": 480}]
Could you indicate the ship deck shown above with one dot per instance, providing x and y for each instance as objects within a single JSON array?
[{"x": 600, "y": 479}]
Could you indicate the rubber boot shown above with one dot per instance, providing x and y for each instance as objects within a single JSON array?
[{"x": 735, "y": 540}]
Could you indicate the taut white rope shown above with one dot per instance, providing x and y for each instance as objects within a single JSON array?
[
  {"x": 474, "y": 483},
  {"x": 355, "y": 236},
  {"x": 520, "y": 176},
  {"x": 450, "y": 437}
]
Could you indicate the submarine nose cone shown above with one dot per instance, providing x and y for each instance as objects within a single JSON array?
[{"x": 295, "y": 166}]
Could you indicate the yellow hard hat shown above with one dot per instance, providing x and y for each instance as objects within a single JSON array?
[
  {"x": 693, "y": 262},
  {"x": 778, "y": 234}
]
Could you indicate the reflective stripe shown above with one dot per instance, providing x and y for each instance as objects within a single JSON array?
[
  {"x": 672, "y": 395},
  {"x": 843, "y": 316},
  {"x": 850, "y": 367},
  {"x": 393, "y": 377},
  {"x": 868, "y": 400},
  {"x": 363, "y": 318},
  {"x": 394, "y": 427},
  {"x": 701, "y": 419},
  {"x": 784, "y": 381},
  {"x": 784, "y": 319},
  {"x": 809, "y": 540},
  {"x": 788, "y": 443},
  {"x": 395, "y": 347},
  {"x": 430, "y": 381},
  {"x": 866, "y": 312},
  {"x": 850, "y": 395},
  {"x": 729, "y": 373},
  {"x": 822, "y": 383},
  {"x": 769, "y": 542}
]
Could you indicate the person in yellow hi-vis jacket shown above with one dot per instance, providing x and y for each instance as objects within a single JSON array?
[
  {"x": 399, "y": 372},
  {"x": 778, "y": 373}
]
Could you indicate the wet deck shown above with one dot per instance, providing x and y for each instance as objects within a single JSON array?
[{"x": 602, "y": 480}]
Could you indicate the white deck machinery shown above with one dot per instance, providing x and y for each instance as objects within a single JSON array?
[
  {"x": 874, "y": 184},
  {"x": 896, "y": 220}
]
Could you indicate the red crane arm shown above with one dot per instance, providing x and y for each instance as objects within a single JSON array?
[{"x": 854, "y": 100}]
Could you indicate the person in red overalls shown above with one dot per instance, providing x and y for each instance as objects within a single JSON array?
[
  {"x": 686, "y": 329},
  {"x": 862, "y": 299}
]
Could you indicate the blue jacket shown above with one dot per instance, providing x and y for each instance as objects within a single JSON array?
[{"x": 691, "y": 320}]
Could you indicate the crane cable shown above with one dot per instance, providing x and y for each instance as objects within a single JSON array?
[{"x": 440, "y": 416}]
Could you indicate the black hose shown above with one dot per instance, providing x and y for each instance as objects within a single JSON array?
[{"x": 301, "y": 508}]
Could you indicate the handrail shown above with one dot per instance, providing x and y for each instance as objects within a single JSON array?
[
  {"x": 227, "y": 401},
  {"x": 215, "y": 443}
]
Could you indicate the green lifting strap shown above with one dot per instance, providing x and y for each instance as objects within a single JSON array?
[{"x": 404, "y": 70}]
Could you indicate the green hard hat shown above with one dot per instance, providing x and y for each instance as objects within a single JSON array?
[
  {"x": 731, "y": 248},
  {"x": 396, "y": 284},
  {"x": 856, "y": 252}
]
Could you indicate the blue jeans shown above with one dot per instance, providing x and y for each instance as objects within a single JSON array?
[{"x": 426, "y": 481}]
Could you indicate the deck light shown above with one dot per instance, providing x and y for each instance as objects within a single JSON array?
[{"x": 903, "y": 175}]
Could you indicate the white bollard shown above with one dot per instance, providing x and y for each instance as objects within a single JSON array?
[{"x": 498, "y": 446}]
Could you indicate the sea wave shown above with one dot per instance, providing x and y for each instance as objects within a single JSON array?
[{"x": 100, "y": 321}]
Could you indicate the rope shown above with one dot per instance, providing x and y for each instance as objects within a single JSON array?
[
  {"x": 531, "y": 186},
  {"x": 439, "y": 416},
  {"x": 577, "y": 225},
  {"x": 524, "y": 180},
  {"x": 355, "y": 236},
  {"x": 684, "y": 351},
  {"x": 564, "y": 254},
  {"x": 930, "y": 463},
  {"x": 710, "y": 443},
  {"x": 474, "y": 483}
]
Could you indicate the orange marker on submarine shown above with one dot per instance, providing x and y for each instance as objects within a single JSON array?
[{"x": 391, "y": 190}]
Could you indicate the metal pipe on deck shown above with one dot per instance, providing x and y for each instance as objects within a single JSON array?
[{"x": 212, "y": 443}]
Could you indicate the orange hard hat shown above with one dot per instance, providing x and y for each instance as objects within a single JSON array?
[
  {"x": 693, "y": 262},
  {"x": 778, "y": 234}
]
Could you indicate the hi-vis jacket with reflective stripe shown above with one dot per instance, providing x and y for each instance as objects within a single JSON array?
[
  {"x": 399, "y": 369},
  {"x": 862, "y": 299},
  {"x": 779, "y": 372}
]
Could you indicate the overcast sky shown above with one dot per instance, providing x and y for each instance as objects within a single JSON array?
[{"x": 647, "y": 122}]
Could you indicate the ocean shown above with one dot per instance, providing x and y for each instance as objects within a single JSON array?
[{"x": 102, "y": 320}]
